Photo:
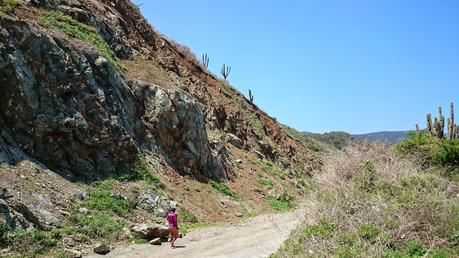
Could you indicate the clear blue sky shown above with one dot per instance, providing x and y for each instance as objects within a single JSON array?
[{"x": 322, "y": 65}]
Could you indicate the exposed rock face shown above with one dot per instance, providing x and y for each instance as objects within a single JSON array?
[
  {"x": 176, "y": 122},
  {"x": 155, "y": 204},
  {"x": 74, "y": 111}
]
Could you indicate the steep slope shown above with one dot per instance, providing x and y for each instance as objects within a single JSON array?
[{"x": 91, "y": 93}]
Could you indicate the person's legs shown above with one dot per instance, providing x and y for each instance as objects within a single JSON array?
[{"x": 174, "y": 236}]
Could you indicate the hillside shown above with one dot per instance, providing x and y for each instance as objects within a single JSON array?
[
  {"x": 342, "y": 139},
  {"x": 385, "y": 136},
  {"x": 106, "y": 124}
]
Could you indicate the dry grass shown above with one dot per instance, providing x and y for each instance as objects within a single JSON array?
[{"x": 373, "y": 203}]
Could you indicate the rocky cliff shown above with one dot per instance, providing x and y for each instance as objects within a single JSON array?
[{"x": 87, "y": 86}]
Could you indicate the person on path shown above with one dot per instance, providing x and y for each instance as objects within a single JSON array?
[{"x": 173, "y": 226}]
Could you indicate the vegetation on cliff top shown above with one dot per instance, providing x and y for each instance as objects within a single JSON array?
[{"x": 81, "y": 31}]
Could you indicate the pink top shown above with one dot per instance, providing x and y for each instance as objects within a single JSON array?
[{"x": 172, "y": 219}]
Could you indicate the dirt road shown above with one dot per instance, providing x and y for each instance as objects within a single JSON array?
[{"x": 257, "y": 237}]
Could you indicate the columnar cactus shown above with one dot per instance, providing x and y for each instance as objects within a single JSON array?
[
  {"x": 205, "y": 60},
  {"x": 225, "y": 71},
  {"x": 437, "y": 127},
  {"x": 451, "y": 123},
  {"x": 429, "y": 124},
  {"x": 250, "y": 96}
]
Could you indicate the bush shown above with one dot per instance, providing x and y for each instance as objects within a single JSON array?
[
  {"x": 141, "y": 172},
  {"x": 222, "y": 188},
  {"x": 80, "y": 31},
  {"x": 187, "y": 216},
  {"x": 101, "y": 199},
  {"x": 32, "y": 242},
  {"x": 367, "y": 231},
  {"x": 447, "y": 154},
  {"x": 8, "y": 6},
  {"x": 94, "y": 225},
  {"x": 283, "y": 202},
  {"x": 266, "y": 182}
]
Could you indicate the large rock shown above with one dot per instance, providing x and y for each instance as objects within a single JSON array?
[
  {"x": 155, "y": 204},
  {"x": 147, "y": 231},
  {"x": 234, "y": 140},
  {"x": 101, "y": 249}
]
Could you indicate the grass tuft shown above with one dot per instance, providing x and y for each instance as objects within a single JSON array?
[
  {"x": 81, "y": 31},
  {"x": 224, "y": 189},
  {"x": 7, "y": 7}
]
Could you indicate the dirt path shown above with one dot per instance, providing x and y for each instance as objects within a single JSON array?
[{"x": 257, "y": 237}]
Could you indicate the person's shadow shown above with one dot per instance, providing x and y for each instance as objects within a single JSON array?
[{"x": 180, "y": 246}]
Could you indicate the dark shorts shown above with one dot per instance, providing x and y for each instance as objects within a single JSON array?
[{"x": 174, "y": 232}]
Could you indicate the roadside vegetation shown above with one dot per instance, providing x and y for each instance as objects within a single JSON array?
[{"x": 374, "y": 202}]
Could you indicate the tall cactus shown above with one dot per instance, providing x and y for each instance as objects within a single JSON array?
[
  {"x": 250, "y": 96},
  {"x": 429, "y": 124},
  {"x": 205, "y": 60},
  {"x": 451, "y": 123},
  {"x": 441, "y": 119},
  {"x": 225, "y": 71},
  {"x": 437, "y": 127}
]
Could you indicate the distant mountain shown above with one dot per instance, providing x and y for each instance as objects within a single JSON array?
[
  {"x": 341, "y": 139},
  {"x": 337, "y": 139},
  {"x": 385, "y": 136}
]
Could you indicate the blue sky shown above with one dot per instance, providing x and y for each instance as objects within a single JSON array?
[{"x": 327, "y": 65}]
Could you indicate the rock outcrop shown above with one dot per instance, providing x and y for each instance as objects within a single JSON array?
[{"x": 74, "y": 111}]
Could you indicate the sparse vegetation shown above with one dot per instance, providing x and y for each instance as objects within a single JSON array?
[
  {"x": 141, "y": 172},
  {"x": 80, "y": 31},
  {"x": 266, "y": 182},
  {"x": 268, "y": 167},
  {"x": 92, "y": 225},
  {"x": 101, "y": 199},
  {"x": 282, "y": 202},
  {"x": 187, "y": 216},
  {"x": 8, "y": 6},
  {"x": 374, "y": 203},
  {"x": 31, "y": 243},
  {"x": 224, "y": 189}
]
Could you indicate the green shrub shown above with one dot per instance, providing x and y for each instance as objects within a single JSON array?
[
  {"x": 447, "y": 154},
  {"x": 224, "y": 189},
  {"x": 32, "y": 242},
  {"x": 324, "y": 228},
  {"x": 313, "y": 147},
  {"x": 415, "y": 249},
  {"x": 80, "y": 31},
  {"x": 368, "y": 231},
  {"x": 186, "y": 216},
  {"x": 94, "y": 225},
  {"x": 281, "y": 203},
  {"x": 266, "y": 182},
  {"x": 8, "y": 6},
  {"x": 101, "y": 199},
  {"x": 418, "y": 142},
  {"x": 142, "y": 172}
]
